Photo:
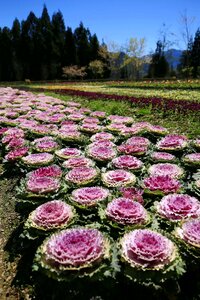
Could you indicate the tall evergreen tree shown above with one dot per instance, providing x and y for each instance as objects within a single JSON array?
[
  {"x": 16, "y": 62},
  {"x": 82, "y": 36},
  {"x": 94, "y": 47},
  {"x": 159, "y": 66},
  {"x": 45, "y": 46},
  {"x": 28, "y": 47},
  {"x": 185, "y": 68},
  {"x": 58, "y": 44},
  {"x": 6, "y": 71},
  {"x": 195, "y": 54},
  {"x": 70, "y": 57}
]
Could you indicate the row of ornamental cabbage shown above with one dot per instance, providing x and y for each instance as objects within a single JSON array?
[{"x": 102, "y": 195}]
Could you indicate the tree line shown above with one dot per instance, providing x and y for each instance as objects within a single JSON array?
[
  {"x": 189, "y": 65},
  {"x": 45, "y": 49},
  {"x": 39, "y": 49}
]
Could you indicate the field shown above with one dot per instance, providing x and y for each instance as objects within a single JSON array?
[{"x": 152, "y": 110}]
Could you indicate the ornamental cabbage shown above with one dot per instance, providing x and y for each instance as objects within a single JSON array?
[
  {"x": 189, "y": 234},
  {"x": 82, "y": 176},
  {"x": 161, "y": 185},
  {"x": 50, "y": 171},
  {"x": 130, "y": 149},
  {"x": 149, "y": 257},
  {"x": 126, "y": 212},
  {"x": 166, "y": 169},
  {"x": 127, "y": 162},
  {"x": 45, "y": 145},
  {"x": 42, "y": 185},
  {"x": 16, "y": 154},
  {"x": 101, "y": 153},
  {"x": 50, "y": 216},
  {"x": 37, "y": 159},
  {"x": 192, "y": 160},
  {"x": 162, "y": 157},
  {"x": 79, "y": 161},
  {"x": 102, "y": 136},
  {"x": 89, "y": 196},
  {"x": 177, "y": 207},
  {"x": 90, "y": 128},
  {"x": 172, "y": 142},
  {"x": 118, "y": 178},
  {"x": 75, "y": 252},
  {"x": 67, "y": 153}
]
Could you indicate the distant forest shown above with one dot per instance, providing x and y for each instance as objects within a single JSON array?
[
  {"x": 39, "y": 48},
  {"x": 45, "y": 49}
]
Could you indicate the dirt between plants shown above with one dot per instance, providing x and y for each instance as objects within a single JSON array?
[{"x": 9, "y": 222}]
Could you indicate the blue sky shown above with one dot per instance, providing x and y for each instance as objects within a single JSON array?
[{"x": 114, "y": 21}]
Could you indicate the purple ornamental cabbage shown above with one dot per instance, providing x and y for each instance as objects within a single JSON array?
[
  {"x": 16, "y": 154},
  {"x": 118, "y": 178},
  {"x": 87, "y": 197},
  {"x": 192, "y": 159},
  {"x": 45, "y": 145},
  {"x": 90, "y": 128},
  {"x": 82, "y": 176},
  {"x": 37, "y": 159},
  {"x": 67, "y": 153},
  {"x": 126, "y": 212},
  {"x": 189, "y": 234},
  {"x": 49, "y": 216},
  {"x": 127, "y": 162},
  {"x": 49, "y": 171},
  {"x": 146, "y": 249},
  {"x": 162, "y": 157},
  {"x": 150, "y": 257},
  {"x": 177, "y": 207},
  {"x": 159, "y": 185},
  {"x": 80, "y": 161},
  {"x": 101, "y": 153},
  {"x": 73, "y": 136},
  {"x": 42, "y": 185},
  {"x": 102, "y": 136},
  {"x": 166, "y": 169},
  {"x": 172, "y": 142},
  {"x": 72, "y": 253}
]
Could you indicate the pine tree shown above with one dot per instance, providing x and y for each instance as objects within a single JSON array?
[
  {"x": 159, "y": 66},
  {"x": 94, "y": 48},
  {"x": 16, "y": 62},
  {"x": 185, "y": 66},
  {"x": 58, "y": 44},
  {"x": 6, "y": 71},
  {"x": 195, "y": 54},
  {"x": 70, "y": 57},
  {"x": 82, "y": 37},
  {"x": 28, "y": 47},
  {"x": 45, "y": 47}
]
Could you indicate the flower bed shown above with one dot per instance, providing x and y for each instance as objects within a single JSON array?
[{"x": 112, "y": 190}]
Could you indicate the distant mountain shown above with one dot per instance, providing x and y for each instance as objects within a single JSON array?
[{"x": 173, "y": 57}]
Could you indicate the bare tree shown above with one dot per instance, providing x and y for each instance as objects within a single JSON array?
[{"x": 186, "y": 23}]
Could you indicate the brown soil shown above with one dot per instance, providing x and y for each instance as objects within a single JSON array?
[{"x": 9, "y": 223}]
